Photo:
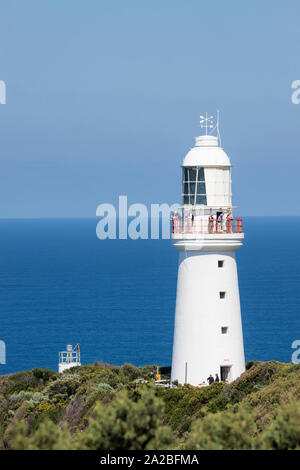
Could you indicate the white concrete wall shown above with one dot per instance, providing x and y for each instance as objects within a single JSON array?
[
  {"x": 62, "y": 366},
  {"x": 200, "y": 315}
]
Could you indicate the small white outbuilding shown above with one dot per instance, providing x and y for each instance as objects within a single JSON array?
[{"x": 69, "y": 358}]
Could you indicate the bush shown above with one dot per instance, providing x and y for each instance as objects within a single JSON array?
[
  {"x": 127, "y": 425},
  {"x": 64, "y": 387},
  {"x": 217, "y": 404},
  {"x": 47, "y": 436},
  {"x": 130, "y": 372},
  {"x": 284, "y": 432},
  {"x": 183, "y": 404},
  {"x": 20, "y": 397},
  {"x": 250, "y": 364},
  {"x": 104, "y": 386},
  {"x": 48, "y": 411},
  {"x": 43, "y": 374},
  {"x": 38, "y": 397},
  {"x": 15, "y": 383},
  {"x": 223, "y": 431},
  {"x": 260, "y": 410},
  {"x": 258, "y": 376}
]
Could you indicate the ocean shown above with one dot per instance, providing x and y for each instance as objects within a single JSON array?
[{"x": 59, "y": 284}]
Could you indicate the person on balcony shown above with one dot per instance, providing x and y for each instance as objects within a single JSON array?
[
  {"x": 229, "y": 221},
  {"x": 211, "y": 220},
  {"x": 189, "y": 222},
  {"x": 220, "y": 221},
  {"x": 175, "y": 222}
]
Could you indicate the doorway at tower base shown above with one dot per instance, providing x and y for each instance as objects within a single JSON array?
[{"x": 225, "y": 374}]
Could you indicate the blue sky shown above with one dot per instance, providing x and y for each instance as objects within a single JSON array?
[{"x": 104, "y": 98}]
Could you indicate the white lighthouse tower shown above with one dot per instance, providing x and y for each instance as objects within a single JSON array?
[{"x": 208, "y": 336}]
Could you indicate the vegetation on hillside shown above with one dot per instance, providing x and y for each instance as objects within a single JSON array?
[{"x": 106, "y": 407}]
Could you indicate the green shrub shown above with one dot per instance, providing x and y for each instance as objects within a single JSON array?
[
  {"x": 104, "y": 386},
  {"x": 250, "y": 364},
  {"x": 64, "y": 387},
  {"x": 112, "y": 406},
  {"x": 217, "y": 404},
  {"x": 20, "y": 397},
  {"x": 47, "y": 436},
  {"x": 284, "y": 432},
  {"x": 130, "y": 372},
  {"x": 258, "y": 376},
  {"x": 37, "y": 397},
  {"x": 127, "y": 425},
  {"x": 183, "y": 404},
  {"x": 228, "y": 430},
  {"x": 15, "y": 383},
  {"x": 43, "y": 374}
]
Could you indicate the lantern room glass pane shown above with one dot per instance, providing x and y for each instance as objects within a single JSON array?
[
  {"x": 201, "y": 174},
  {"x": 201, "y": 200},
  {"x": 185, "y": 188},
  {"x": 192, "y": 199},
  {"x": 201, "y": 188},
  {"x": 192, "y": 174},
  {"x": 192, "y": 188}
]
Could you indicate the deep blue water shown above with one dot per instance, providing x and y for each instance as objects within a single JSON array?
[{"x": 59, "y": 284}]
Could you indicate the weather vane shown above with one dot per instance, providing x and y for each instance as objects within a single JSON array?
[{"x": 207, "y": 122}]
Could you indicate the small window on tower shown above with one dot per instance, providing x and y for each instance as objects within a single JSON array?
[
  {"x": 221, "y": 263},
  {"x": 222, "y": 295},
  {"x": 224, "y": 330}
]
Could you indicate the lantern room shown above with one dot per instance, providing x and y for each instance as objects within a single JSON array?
[{"x": 206, "y": 175}]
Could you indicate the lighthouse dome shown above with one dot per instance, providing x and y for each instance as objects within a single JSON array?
[{"x": 206, "y": 153}]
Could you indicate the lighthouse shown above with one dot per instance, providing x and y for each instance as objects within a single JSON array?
[{"x": 208, "y": 337}]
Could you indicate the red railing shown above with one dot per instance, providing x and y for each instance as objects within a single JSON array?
[{"x": 204, "y": 226}]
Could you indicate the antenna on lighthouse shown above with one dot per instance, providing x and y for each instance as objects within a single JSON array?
[{"x": 218, "y": 128}]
